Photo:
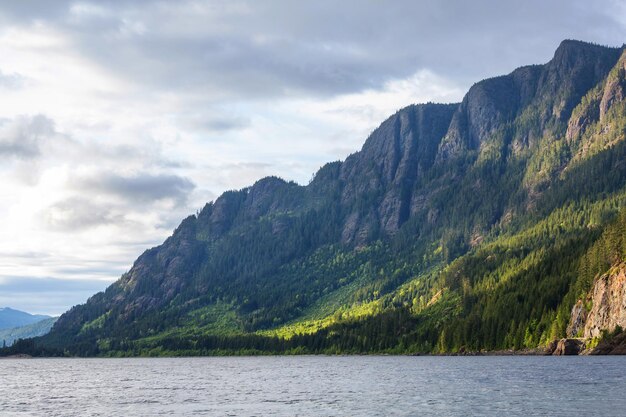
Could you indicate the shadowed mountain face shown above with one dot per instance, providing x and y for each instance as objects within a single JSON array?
[
  {"x": 396, "y": 228},
  {"x": 542, "y": 94},
  {"x": 10, "y": 318},
  {"x": 38, "y": 328}
]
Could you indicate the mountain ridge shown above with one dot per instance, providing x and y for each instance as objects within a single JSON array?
[
  {"x": 390, "y": 236},
  {"x": 10, "y": 318},
  {"x": 38, "y": 328}
]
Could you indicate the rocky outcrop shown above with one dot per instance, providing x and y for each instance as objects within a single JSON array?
[
  {"x": 615, "y": 86},
  {"x": 575, "y": 68},
  {"x": 268, "y": 195},
  {"x": 220, "y": 215},
  {"x": 584, "y": 116},
  {"x": 486, "y": 106},
  {"x": 541, "y": 95},
  {"x": 385, "y": 171},
  {"x": 608, "y": 298},
  {"x": 606, "y": 316},
  {"x": 567, "y": 347},
  {"x": 578, "y": 319},
  {"x": 598, "y": 101},
  {"x": 613, "y": 345}
]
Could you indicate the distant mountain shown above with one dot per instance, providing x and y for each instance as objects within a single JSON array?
[
  {"x": 467, "y": 226},
  {"x": 39, "y": 328},
  {"x": 10, "y": 318}
]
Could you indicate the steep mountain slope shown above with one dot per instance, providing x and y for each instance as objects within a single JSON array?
[
  {"x": 10, "y": 318},
  {"x": 456, "y": 226}
]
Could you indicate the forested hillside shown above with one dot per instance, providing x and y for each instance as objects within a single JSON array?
[
  {"x": 467, "y": 226},
  {"x": 10, "y": 318},
  {"x": 39, "y": 328}
]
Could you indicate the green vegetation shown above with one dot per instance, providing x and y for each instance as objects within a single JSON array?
[
  {"x": 39, "y": 328},
  {"x": 471, "y": 226}
]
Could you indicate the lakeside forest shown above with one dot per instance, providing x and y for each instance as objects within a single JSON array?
[{"x": 458, "y": 227}]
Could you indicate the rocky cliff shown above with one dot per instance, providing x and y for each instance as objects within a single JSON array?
[
  {"x": 473, "y": 201},
  {"x": 608, "y": 303},
  {"x": 607, "y": 306}
]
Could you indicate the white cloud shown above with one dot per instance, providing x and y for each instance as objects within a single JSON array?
[
  {"x": 119, "y": 119},
  {"x": 22, "y": 137}
]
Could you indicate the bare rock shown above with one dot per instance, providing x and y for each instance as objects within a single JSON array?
[
  {"x": 551, "y": 347},
  {"x": 577, "y": 320},
  {"x": 615, "y": 88},
  {"x": 608, "y": 297},
  {"x": 568, "y": 347}
]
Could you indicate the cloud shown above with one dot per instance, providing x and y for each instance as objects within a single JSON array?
[
  {"x": 108, "y": 199},
  {"x": 213, "y": 124},
  {"x": 139, "y": 188},
  {"x": 281, "y": 48},
  {"x": 246, "y": 49},
  {"x": 11, "y": 81},
  {"x": 22, "y": 137},
  {"x": 23, "y": 254},
  {"x": 77, "y": 213},
  {"x": 148, "y": 108},
  {"x": 237, "y": 175}
]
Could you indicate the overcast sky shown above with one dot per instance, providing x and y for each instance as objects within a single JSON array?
[{"x": 118, "y": 119}]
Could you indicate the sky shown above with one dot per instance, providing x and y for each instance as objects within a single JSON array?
[{"x": 119, "y": 119}]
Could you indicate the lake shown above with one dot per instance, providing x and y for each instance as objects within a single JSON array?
[{"x": 315, "y": 386}]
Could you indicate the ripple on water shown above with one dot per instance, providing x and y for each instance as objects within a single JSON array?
[{"x": 314, "y": 386}]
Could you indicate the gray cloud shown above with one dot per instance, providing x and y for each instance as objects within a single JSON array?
[
  {"x": 206, "y": 65},
  {"x": 246, "y": 48},
  {"x": 11, "y": 81},
  {"x": 148, "y": 152},
  {"x": 79, "y": 213},
  {"x": 140, "y": 188},
  {"x": 109, "y": 199},
  {"x": 22, "y": 136},
  {"x": 213, "y": 124},
  {"x": 24, "y": 255}
]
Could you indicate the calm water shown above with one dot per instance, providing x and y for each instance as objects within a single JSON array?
[{"x": 315, "y": 386}]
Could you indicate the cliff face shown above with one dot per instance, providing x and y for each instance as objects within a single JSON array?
[
  {"x": 431, "y": 182},
  {"x": 498, "y": 117},
  {"x": 608, "y": 299},
  {"x": 388, "y": 168},
  {"x": 529, "y": 101},
  {"x": 578, "y": 318},
  {"x": 589, "y": 118}
]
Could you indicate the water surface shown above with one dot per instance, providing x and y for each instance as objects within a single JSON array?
[{"x": 315, "y": 386}]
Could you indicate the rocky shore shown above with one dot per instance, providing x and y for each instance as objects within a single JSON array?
[
  {"x": 18, "y": 356},
  {"x": 611, "y": 344}
]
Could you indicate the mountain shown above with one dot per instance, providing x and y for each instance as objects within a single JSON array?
[
  {"x": 468, "y": 226},
  {"x": 39, "y": 328},
  {"x": 10, "y": 318}
]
